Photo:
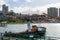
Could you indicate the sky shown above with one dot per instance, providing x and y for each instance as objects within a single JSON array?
[{"x": 31, "y": 6}]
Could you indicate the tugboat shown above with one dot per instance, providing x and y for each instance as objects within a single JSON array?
[{"x": 35, "y": 32}]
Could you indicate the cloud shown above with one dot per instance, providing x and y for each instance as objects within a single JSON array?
[
  {"x": 37, "y": 9},
  {"x": 20, "y": 9},
  {"x": 15, "y": 0},
  {"x": 2, "y": 2},
  {"x": 29, "y": 9},
  {"x": 44, "y": 8},
  {"x": 29, "y": 0}
]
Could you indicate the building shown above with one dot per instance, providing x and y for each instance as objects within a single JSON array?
[
  {"x": 4, "y": 9},
  {"x": 59, "y": 12},
  {"x": 0, "y": 12},
  {"x": 52, "y": 12}
]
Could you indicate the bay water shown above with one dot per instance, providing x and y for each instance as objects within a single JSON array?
[{"x": 52, "y": 29}]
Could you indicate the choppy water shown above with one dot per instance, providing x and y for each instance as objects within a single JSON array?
[{"x": 52, "y": 29}]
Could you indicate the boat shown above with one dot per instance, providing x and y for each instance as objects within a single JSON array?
[
  {"x": 3, "y": 24},
  {"x": 27, "y": 34},
  {"x": 34, "y": 32}
]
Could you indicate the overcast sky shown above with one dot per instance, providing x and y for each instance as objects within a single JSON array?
[{"x": 30, "y": 5}]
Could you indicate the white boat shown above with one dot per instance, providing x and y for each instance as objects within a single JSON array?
[{"x": 3, "y": 24}]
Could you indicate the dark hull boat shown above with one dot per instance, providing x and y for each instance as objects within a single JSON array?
[{"x": 36, "y": 34}]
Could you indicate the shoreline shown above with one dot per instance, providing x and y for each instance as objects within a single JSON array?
[{"x": 33, "y": 23}]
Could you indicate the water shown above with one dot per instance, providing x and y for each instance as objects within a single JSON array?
[{"x": 52, "y": 29}]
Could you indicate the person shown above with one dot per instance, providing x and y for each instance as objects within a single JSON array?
[
  {"x": 28, "y": 24},
  {"x": 34, "y": 28}
]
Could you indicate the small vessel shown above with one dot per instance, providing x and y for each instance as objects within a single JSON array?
[
  {"x": 34, "y": 32},
  {"x": 3, "y": 24}
]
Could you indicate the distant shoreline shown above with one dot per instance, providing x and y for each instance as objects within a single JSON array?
[{"x": 33, "y": 23}]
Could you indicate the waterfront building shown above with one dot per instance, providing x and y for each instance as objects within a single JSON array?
[
  {"x": 0, "y": 12},
  {"x": 59, "y": 12},
  {"x": 52, "y": 11},
  {"x": 4, "y": 9}
]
